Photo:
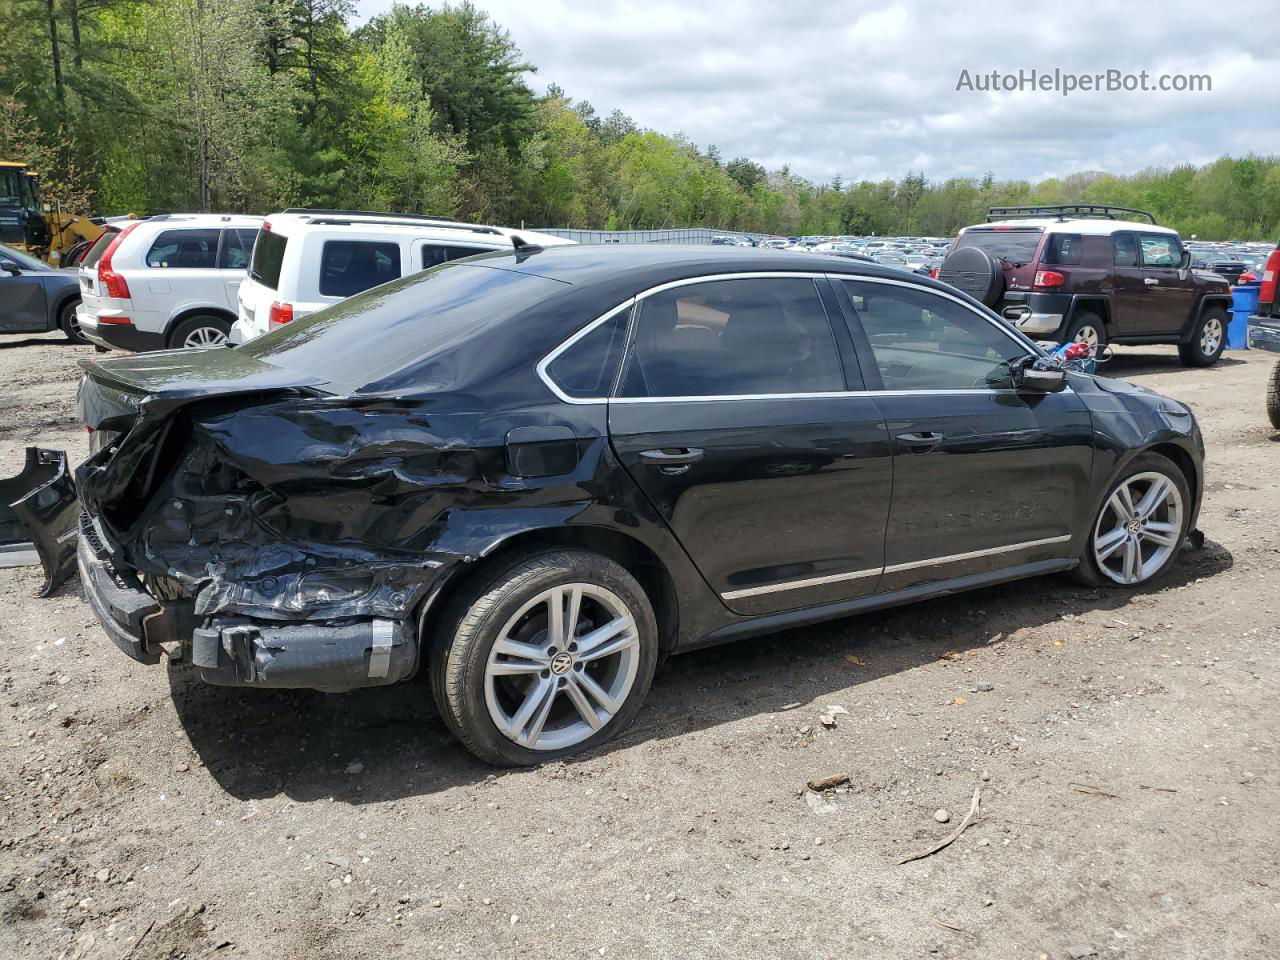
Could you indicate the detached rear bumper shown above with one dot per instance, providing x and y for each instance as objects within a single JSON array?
[
  {"x": 38, "y": 510},
  {"x": 330, "y": 655}
]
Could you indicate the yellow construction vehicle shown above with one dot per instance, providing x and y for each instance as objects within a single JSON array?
[{"x": 35, "y": 227}]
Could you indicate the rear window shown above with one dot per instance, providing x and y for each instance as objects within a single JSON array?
[
  {"x": 99, "y": 247},
  {"x": 393, "y": 332},
  {"x": 189, "y": 249},
  {"x": 1017, "y": 245},
  {"x": 1062, "y": 249},
  {"x": 348, "y": 267},
  {"x": 268, "y": 255}
]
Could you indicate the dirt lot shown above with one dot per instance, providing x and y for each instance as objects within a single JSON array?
[{"x": 1125, "y": 746}]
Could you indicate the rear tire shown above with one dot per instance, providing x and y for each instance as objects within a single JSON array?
[
  {"x": 1123, "y": 525},
  {"x": 201, "y": 330},
  {"x": 517, "y": 696},
  {"x": 1088, "y": 328},
  {"x": 1208, "y": 340},
  {"x": 69, "y": 324},
  {"x": 1273, "y": 396}
]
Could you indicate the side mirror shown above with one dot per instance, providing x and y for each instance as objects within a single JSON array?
[
  {"x": 1185, "y": 262},
  {"x": 1027, "y": 376},
  {"x": 8, "y": 266}
]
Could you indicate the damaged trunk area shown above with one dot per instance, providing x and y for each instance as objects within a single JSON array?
[{"x": 276, "y": 535}]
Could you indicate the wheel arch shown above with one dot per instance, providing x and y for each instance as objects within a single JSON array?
[
  {"x": 58, "y": 303},
  {"x": 1092, "y": 303},
  {"x": 1184, "y": 462},
  {"x": 633, "y": 555},
  {"x": 1206, "y": 302}
]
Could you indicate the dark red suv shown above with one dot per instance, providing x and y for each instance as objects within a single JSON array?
[{"x": 1081, "y": 272}]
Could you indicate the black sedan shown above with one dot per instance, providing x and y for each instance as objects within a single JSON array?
[
  {"x": 36, "y": 298},
  {"x": 529, "y": 476}
]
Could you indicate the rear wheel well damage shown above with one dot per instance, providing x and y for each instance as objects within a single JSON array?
[{"x": 636, "y": 558}]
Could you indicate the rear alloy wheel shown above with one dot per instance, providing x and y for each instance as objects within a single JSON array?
[
  {"x": 1208, "y": 341},
  {"x": 198, "y": 332},
  {"x": 70, "y": 323},
  {"x": 1140, "y": 526},
  {"x": 549, "y": 656},
  {"x": 1088, "y": 328}
]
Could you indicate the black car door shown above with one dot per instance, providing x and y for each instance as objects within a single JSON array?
[
  {"x": 985, "y": 477},
  {"x": 23, "y": 301},
  {"x": 734, "y": 416}
]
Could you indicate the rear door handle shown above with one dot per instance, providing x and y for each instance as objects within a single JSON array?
[
  {"x": 673, "y": 457},
  {"x": 920, "y": 442},
  {"x": 1151, "y": 281}
]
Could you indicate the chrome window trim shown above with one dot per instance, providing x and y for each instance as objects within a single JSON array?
[
  {"x": 892, "y": 568},
  {"x": 551, "y": 385}
]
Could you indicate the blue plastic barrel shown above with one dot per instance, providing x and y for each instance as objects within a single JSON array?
[{"x": 1244, "y": 303}]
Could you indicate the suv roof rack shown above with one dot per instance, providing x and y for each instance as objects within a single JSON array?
[
  {"x": 338, "y": 218},
  {"x": 1065, "y": 211}
]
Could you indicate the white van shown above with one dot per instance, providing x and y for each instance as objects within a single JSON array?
[
  {"x": 304, "y": 260},
  {"x": 168, "y": 281}
]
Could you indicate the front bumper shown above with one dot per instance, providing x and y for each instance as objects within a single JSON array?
[
  {"x": 1264, "y": 333},
  {"x": 332, "y": 655}
]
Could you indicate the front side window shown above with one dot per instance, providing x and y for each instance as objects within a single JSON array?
[
  {"x": 348, "y": 267},
  {"x": 437, "y": 253},
  {"x": 185, "y": 249},
  {"x": 1160, "y": 250},
  {"x": 585, "y": 370},
  {"x": 733, "y": 338},
  {"x": 921, "y": 341}
]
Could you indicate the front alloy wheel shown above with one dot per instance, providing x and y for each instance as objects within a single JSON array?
[
  {"x": 1139, "y": 528},
  {"x": 543, "y": 655}
]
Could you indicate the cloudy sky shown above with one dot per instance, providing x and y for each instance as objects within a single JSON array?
[{"x": 868, "y": 90}]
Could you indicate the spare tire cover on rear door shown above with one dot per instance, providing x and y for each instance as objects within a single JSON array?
[{"x": 975, "y": 272}]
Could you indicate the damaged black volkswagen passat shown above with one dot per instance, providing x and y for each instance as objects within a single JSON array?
[{"x": 529, "y": 476}]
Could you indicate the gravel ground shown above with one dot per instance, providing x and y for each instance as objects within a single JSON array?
[{"x": 1125, "y": 747}]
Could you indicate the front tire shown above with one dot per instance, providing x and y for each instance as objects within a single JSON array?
[
  {"x": 69, "y": 324},
  {"x": 1137, "y": 530},
  {"x": 549, "y": 655},
  {"x": 1207, "y": 341}
]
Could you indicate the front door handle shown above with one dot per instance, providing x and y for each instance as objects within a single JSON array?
[
  {"x": 920, "y": 442},
  {"x": 1151, "y": 281},
  {"x": 681, "y": 458}
]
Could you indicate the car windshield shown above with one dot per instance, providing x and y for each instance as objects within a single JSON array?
[
  {"x": 10, "y": 189},
  {"x": 22, "y": 259},
  {"x": 388, "y": 329},
  {"x": 1015, "y": 244}
]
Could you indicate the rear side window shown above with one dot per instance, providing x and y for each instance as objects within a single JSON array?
[
  {"x": 268, "y": 255},
  {"x": 185, "y": 249},
  {"x": 236, "y": 247},
  {"x": 436, "y": 254},
  {"x": 1013, "y": 245},
  {"x": 586, "y": 368},
  {"x": 348, "y": 267},
  {"x": 1062, "y": 249},
  {"x": 733, "y": 338},
  {"x": 1126, "y": 249}
]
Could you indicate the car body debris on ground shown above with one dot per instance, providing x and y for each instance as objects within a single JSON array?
[{"x": 1124, "y": 746}]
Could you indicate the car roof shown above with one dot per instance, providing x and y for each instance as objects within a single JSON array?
[
  {"x": 1083, "y": 225},
  {"x": 403, "y": 225},
  {"x": 177, "y": 221}
]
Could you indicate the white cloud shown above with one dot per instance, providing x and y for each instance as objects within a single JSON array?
[{"x": 867, "y": 91}]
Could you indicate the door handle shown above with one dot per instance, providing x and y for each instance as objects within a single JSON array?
[
  {"x": 1151, "y": 281},
  {"x": 681, "y": 458},
  {"x": 920, "y": 442}
]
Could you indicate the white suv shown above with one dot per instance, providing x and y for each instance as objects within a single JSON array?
[
  {"x": 169, "y": 281},
  {"x": 304, "y": 260}
]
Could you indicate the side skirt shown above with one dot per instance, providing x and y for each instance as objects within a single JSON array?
[{"x": 845, "y": 608}]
